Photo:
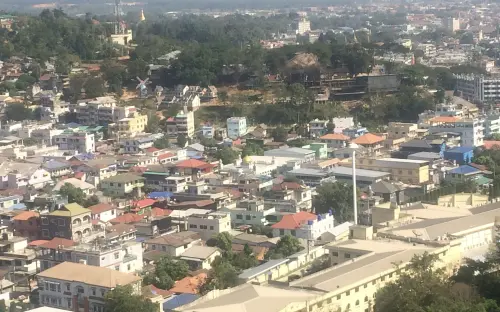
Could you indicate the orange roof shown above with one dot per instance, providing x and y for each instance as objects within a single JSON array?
[
  {"x": 368, "y": 138},
  {"x": 159, "y": 212},
  {"x": 189, "y": 285},
  {"x": 26, "y": 215},
  {"x": 38, "y": 242},
  {"x": 166, "y": 155},
  {"x": 335, "y": 136},
  {"x": 127, "y": 218},
  {"x": 99, "y": 208},
  {"x": 444, "y": 119},
  {"x": 143, "y": 203},
  {"x": 152, "y": 149},
  {"x": 57, "y": 242},
  {"x": 294, "y": 221},
  {"x": 193, "y": 163},
  {"x": 491, "y": 144}
]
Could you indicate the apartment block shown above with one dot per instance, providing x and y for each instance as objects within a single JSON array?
[
  {"x": 130, "y": 126},
  {"x": 181, "y": 124},
  {"x": 102, "y": 111},
  {"x": 236, "y": 127},
  {"x": 404, "y": 170},
  {"x": 398, "y": 130},
  {"x": 209, "y": 225},
  {"x": 78, "y": 287},
  {"x": 71, "y": 221},
  {"x": 80, "y": 141}
]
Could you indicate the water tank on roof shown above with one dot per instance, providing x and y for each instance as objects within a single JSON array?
[
  {"x": 319, "y": 217},
  {"x": 310, "y": 222},
  {"x": 330, "y": 212}
]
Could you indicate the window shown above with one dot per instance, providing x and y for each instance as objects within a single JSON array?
[
  {"x": 347, "y": 255},
  {"x": 68, "y": 300},
  {"x": 335, "y": 254},
  {"x": 390, "y": 275},
  {"x": 128, "y": 267},
  {"x": 338, "y": 297},
  {"x": 117, "y": 255},
  {"x": 357, "y": 302},
  {"x": 193, "y": 226},
  {"x": 374, "y": 282},
  {"x": 80, "y": 289},
  {"x": 60, "y": 222},
  {"x": 248, "y": 217},
  {"x": 52, "y": 287},
  {"x": 45, "y": 221},
  {"x": 382, "y": 278},
  {"x": 282, "y": 232},
  {"x": 103, "y": 292},
  {"x": 117, "y": 268},
  {"x": 292, "y": 232},
  {"x": 356, "y": 289},
  {"x": 93, "y": 291},
  {"x": 211, "y": 227},
  {"x": 68, "y": 285},
  {"x": 366, "y": 299},
  {"x": 164, "y": 248},
  {"x": 239, "y": 217},
  {"x": 365, "y": 286},
  {"x": 348, "y": 293},
  {"x": 153, "y": 247}
]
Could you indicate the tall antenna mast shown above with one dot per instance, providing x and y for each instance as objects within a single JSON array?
[{"x": 118, "y": 16}]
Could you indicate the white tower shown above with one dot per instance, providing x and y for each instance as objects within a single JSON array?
[{"x": 354, "y": 193}]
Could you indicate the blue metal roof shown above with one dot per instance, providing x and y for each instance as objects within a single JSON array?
[
  {"x": 155, "y": 195},
  {"x": 460, "y": 149},
  {"x": 174, "y": 302},
  {"x": 465, "y": 169}
]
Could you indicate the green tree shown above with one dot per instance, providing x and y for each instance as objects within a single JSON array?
[
  {"x": 227, "y": 155},
  {"x": 223, "y": 97},
  {"x": 162, "y": 143},
  {"x": 166, "y": 272},
  {"x": 335, "y": 196},
  {"x": 123, "y": 298},
  {"x": 18, "y": 112},
  {"x": 75, "y": 195},
  {"x": 91, "y": 201},
  {"x": 286, "y": 246},
  {"x": 252, "y": 149},
  {"x": 153, "y": 125},
  {"x": 137, "y": 68},
  {"x": 223, "y": 241},
  {"x": 223, "y": 275},
  {"x": 279, "y": 134},
  {"x": 181, "y": 140},
  {"x": 94, "y": 87}
]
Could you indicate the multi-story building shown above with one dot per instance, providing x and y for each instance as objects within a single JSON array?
[
  {"x": 80, "y": 141},
  {"x": 163, "y": 182},
  {"x": 303, "y": 26},
  {"x": 318, "y": 127},
  {"x": 452, "y": 24},
  {"x": 123, "y": 184},
  {"x": 405, "y": 170},
  {"x": 371, "y": 142},
  {"x": 100, "y": 168},
  {"x": 181, "y": 124},
  {"x": 14, "y": 254},
  {"x": 304, "y": 225},
  {"x": 27, "y": 224},
  {"x": 79, "y": 287},
  {"x": 139, "y": 143},
  {"x": 429, "y": 49},
  {"x": 120, "y": 256},
  {"x": 471, "y": 130},
  {"x": 209, "y": 225},
  {"x": 103, "y": 212},
  {"x": 71, "y": 221},
  {"x": 250, "y": 212},
  {"x": 335, "y": 140},
  {"x": 236, "y": 127},
  {"x": 491, "y": 125},
  {"x": 398, "y": 130},
  {"x": 174, "y": 244},
  {"x": 478, "y": 89},
  {"x": 102, "y": 111},
  {"x": 129, "y": 126}
]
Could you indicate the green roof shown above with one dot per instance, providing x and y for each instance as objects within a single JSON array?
[
  {"x": 156, "y": 173},
  {"x": 70, "y": 210},
  {"x": 482, "y": 180}
]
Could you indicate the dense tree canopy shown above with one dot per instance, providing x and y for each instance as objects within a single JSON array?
[
  {"x": 335, "y": 196},
  {"x": 122, "y": 298}
]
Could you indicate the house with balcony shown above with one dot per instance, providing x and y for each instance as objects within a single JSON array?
[
  {"x": 14, "y": 175},
  {"x": 15, "y": 255},
  {"x": 335, "y": 140},
  {"x": 139, "y": 144},
  {"x": 191, "y": 167},
  {"x": 164, "y": 182},
  {"x": 123, "y": 184},
  {"x": 103, "y": 212},
  {"x": 371, "y": 142},
  {"x": 122, "y": 256},
  {"x": 101, "y": 168},
  {"x": 318, "y": 127},
  {"x": 249, "y": 212},
  {"x": 304, "y": 225},
  {"x": 57, "y": 168},
  {"x": 79, "y": 287},
  {"x": 71, "y": 221},
  {"x": 289, "y": 197}
]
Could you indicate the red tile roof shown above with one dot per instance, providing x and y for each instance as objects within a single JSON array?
[
  {"x": 444, "y": 119},
  {"x": 152, "y": 149},
  {"x": 138, "y": 169},
  {"x": 368, "y": 138},
  {"x": 189, "y": 285},
  {"x": 294, "y": 221},
  {"x": 158, "y": 212},
  {"x": 100, "y": 208},
  {"x": 166, "y": 155},
  {"x": 127, "y": 218},
  {"x": 143, "y": 203},
  {"x": 193, "y": 163},
  {"x": 79, "y": 175},
  {"x": 38, "y": 242},
  {"x": 335, "y": 136},
  {"x": 26, "y": 215},
  {"x": 57, "y": 242},
  {"x": 491, "y": 144}
]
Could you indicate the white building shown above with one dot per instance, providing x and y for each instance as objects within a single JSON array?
[
  {"x": 318, "y": 127},
  {"x": 452, "y": 24},
  {"x": 103, "y": 212},
  {"x": 491, "y": 125},
  {"x": 249, "y": 212},
  {"x": 80, "y": 287},
  {"x": 139, "y": 143},
  {"x": 471, "y": 129},
  {"x": 174, "y": 244},
  {"x": 236, "y": 127},
  {"x": 342, "y": 123},
  {"x": 429, "y": 49},
  {"x": 80, "y": 141},
  {"x": 303, "y": 26},
  {"x": 102, "y": 110},
  {"x": 304, "y": 225},
  {"x": 209, "y": 225}
]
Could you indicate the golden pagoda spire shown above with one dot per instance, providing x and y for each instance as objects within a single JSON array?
[{"x": 143, "y": 18}]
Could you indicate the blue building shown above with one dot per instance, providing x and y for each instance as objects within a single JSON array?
[
  {"x": 462, "y": 155},
  {"x": 355, "y": 132}
]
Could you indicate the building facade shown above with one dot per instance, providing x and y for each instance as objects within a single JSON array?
[{"x": 236, "y": 127}]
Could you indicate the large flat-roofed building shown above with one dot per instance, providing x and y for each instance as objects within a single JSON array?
[
  {"x": 363, "y": 177},
  {"x": 80, "y": 287},
  {"x": 405, "y": 170}
]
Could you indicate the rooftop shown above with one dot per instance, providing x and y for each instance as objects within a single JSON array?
[
  {"x": 88, "y": 274},
  {"x": 199, "y": 252},
  {"x": 123, "y": 178},
  {"x": 175, "y": 239},
  {"x": 335, "y": 136},
  {"x": 465, "y": 169},
  {"x": 100, "y": 208},
  {"x": 70, "y": 210},
  {"x": 294, "y": 221},
  {"x": 347, "y": 171},
  {"x": 368, "y": 138}
]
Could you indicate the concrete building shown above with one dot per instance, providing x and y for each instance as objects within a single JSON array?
[
  {"x": 236, "y": 127},
  {"x": 79, "y": 287},
  {"x": 398, "y": 130},
  {"x": 404, "y": 170},
  {"x": 303, "y": 26},
  {"x": 452, "y": 24},
  {"x": 102, "y": 111},
  {"x": 304, "y": 225},
  {"x": 478, "y": 89},
  {"x": 174, "y": 244},
  {"x": 372, "y": 143},
  {"x": 364, "y": 177},
  {"x": 249, "y": 212},
  {"x": 491, "y": 125},
  {"x": 200, "y": 257},
  {"x": 124, "y": 256},
  {"x": 123, "y": 184},
  {"x": 302, "y": 154},
  {"x": 335, "y": 140},
  {"x": 129, "y": 126},
  {"x": 209, "y": 225},
  {"x": 471, "y": 130},
  {"x": 181, "y": 124},
  {"x": 71, "y": 221},
  {"x": 429, "y": 49},
  {"x": 318, "y": 127},
  {"x": 82, "y": 142}
]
